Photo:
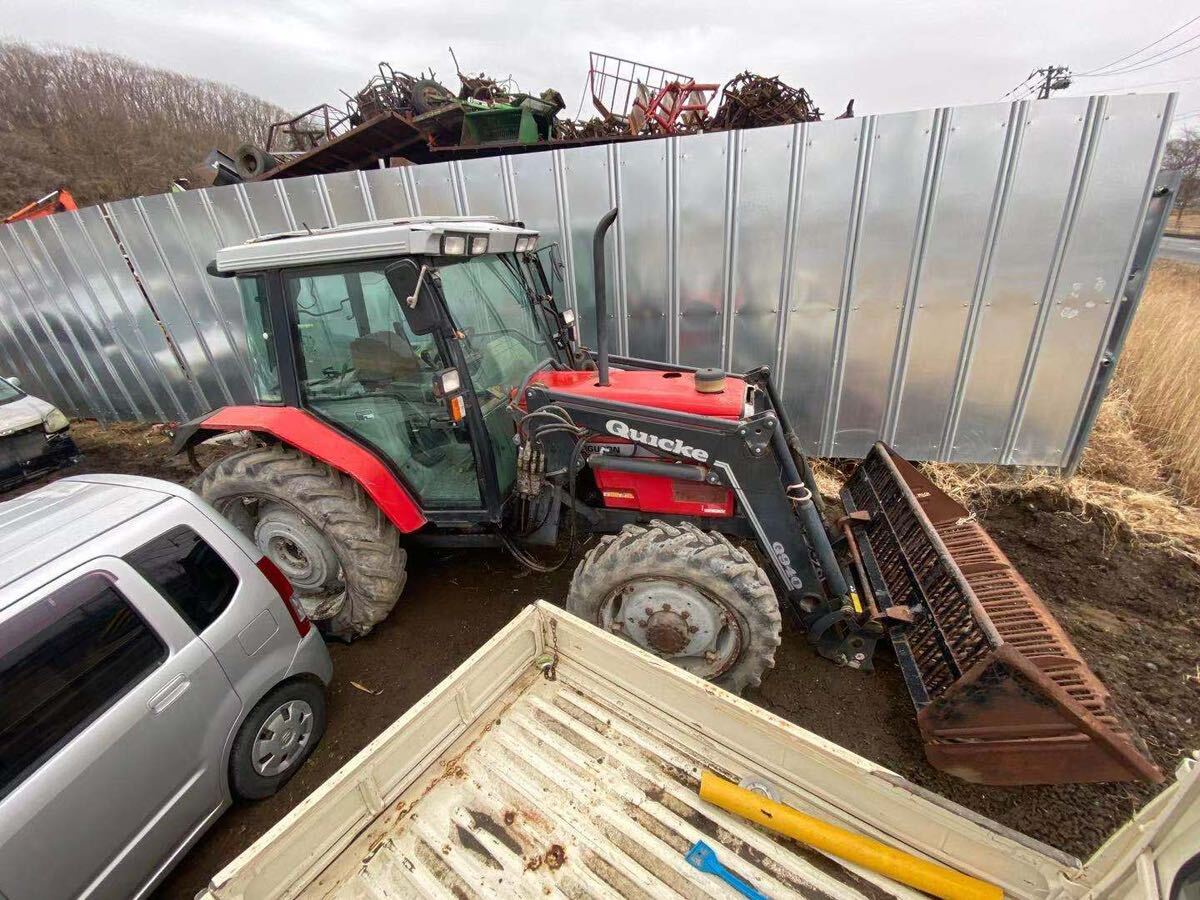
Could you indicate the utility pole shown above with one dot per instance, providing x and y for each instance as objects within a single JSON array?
[{"x": 1052, "y": 78}]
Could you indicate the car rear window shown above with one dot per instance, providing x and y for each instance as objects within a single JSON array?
[
  {"x": 63, "y": 662},
  {"x": 189, "y": 573}
]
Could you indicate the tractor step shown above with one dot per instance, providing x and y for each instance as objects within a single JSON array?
[{"x": 1002, "y": 695}]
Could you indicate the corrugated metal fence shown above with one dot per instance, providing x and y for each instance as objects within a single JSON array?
[{"x": 948, "y": 279}]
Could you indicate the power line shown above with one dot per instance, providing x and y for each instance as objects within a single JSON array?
[
  {"x": 1150, "y": 61},
  {"x": 1186, "y": 115},
  {"x": 1028, "y": 78},
  {"x": 1142, "y": 49}
]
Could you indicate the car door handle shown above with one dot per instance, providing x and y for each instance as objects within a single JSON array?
[{"x": 174, "y": 689}]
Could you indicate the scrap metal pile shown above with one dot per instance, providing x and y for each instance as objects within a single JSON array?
[{"x": 401, "y": 118}]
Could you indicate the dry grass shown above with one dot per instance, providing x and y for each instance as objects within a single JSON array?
[
  {"x": 1159, "y": 374},
  {"x": 1187, "y": 224}
]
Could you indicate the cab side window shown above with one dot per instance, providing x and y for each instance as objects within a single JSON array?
[
  {"x": 63, "y": 662},
  {"x": 190, "y": 575}
]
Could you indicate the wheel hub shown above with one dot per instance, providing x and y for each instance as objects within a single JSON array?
[
  {"x": 666, "y": 631},
  {"x": 299, "y": 550},
  {"x": 675, "y": 620}
]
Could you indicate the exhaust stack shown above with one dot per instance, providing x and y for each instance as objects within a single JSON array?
[{"x": 601, "y": 294}]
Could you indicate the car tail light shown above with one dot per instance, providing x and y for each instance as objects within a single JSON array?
[{"x": 286, "y": 594}]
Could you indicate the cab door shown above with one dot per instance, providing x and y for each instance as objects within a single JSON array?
[
  {"x": 105, "y": 772},
  {"x": 364, "y": 369}
]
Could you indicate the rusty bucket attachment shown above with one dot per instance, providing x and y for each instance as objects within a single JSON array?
[{"x": 1002, "y": 695}]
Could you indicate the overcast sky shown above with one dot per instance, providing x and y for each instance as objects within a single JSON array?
[{"x": 887, "y": 55}]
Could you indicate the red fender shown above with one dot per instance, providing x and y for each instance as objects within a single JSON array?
[{"x": 306, "y": 432}]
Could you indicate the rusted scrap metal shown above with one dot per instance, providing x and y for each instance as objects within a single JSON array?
[
  {"x": 754, "y": 101},
  {"x": 1002, "y": 694},
  {"x": 589, "y": 129}
]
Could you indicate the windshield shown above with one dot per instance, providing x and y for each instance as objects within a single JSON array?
[
  {"x": 8, "y": 392},
  {"x": 503, "y": 341}
]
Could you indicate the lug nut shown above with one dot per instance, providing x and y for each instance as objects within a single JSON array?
[
  {"x": 685, "y": 615},
  {"x": 666, "y": 607},
  {"x": 642, "y": 623},
  {"x": 649, "y": 611},
  {"x": 692, "y": 629}
]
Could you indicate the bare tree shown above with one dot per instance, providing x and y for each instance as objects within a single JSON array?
[
  {"x": 1183, "y": 154},
  {"x": 108, "y": 127}
]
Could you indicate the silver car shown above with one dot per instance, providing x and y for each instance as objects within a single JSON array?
[
  {"x": 153, "y": 667},
  {"x": 35, "y": 436}
]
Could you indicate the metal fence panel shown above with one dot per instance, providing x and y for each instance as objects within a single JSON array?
[
  {"x": 435, "y": 194},
  {"x": 1090, "y": 280},
  {"x": 155, "y": 371},
  {"x": 483, "y": 187},
  {"x": 265, "y": 202},
  {"x": 705, "y": 217},
  {"x": 947, "y": 279},
  {"x": 304, "y": 199},
  {"x": 108, "y": 356},
  {"x": 389, "y": 198},
  {"x": 40, "y": 318},
  {"x": 23, "y": 358},
  {"x": 210, "y": 387},
  {"x": 758, "y": 244},
  {"x": 1026, "y": 246},
  {"x": 585, "y": 176},
  {"x": 113, "y": 403},
  {"x": 645, "y": 226},
  {"x": 828, "y": 182},
  {"x": 961, "y": 222},
  {"x": 900, "y": 155},
  {"x": 347, "y": 200}
]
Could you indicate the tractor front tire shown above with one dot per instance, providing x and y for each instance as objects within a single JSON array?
[
  {"x": 317, "y": 525},
  {"x": 686, "y": 595}
]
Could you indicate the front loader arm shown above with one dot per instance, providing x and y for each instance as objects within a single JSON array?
[{"x": 750, "y": 457}]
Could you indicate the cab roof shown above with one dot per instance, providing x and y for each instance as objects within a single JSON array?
[{"x": 363, "y": 240}]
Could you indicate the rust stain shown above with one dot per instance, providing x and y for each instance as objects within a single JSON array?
[
  {"x": 555, "y": 857},
  {"x": 533, "y": 864},
  {"x": 509, "y": 817}
]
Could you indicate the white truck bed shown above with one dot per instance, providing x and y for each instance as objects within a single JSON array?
[{"x": 503, "y": 783}]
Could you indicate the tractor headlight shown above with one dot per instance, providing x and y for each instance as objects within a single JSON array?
[
  {"x": 454, "y": 245},
  {"x": 55, "y": 421},
  {"x": 446, "y": 382},
  {"x": 526, "y": 242},
  {"x": 479, "y": 244},
  {"x": 568, "y": 317}
]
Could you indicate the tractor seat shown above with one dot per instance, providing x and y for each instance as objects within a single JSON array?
[{"x": 383, "y": 357}]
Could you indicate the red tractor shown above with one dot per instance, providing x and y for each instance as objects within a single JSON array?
[{"x": 418, "y": 385}]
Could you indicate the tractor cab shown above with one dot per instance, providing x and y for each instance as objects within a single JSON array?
[{"x": 410, "y": 337}]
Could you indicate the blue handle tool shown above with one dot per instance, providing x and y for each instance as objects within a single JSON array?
[{"x": 704, "y": 858}]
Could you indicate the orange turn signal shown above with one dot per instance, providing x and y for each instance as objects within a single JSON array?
[{"x": 458, "y": 408}]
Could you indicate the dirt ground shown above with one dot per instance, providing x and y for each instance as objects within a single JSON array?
[{"x": 1134, "y": 613}]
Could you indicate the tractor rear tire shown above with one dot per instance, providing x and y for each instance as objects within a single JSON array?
[
  {"x": 697, "y": 573},
  {"x": 313, "y": 522}
]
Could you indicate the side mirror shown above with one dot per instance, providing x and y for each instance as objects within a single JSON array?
[
  {"x": 14, "y": 381},
  {"x": 411, "y": 285}
]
